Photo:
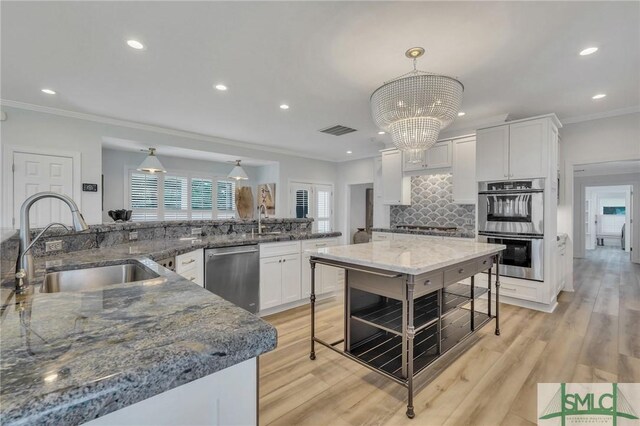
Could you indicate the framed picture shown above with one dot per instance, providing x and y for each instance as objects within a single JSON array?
[{"x": 267, "y": 196}]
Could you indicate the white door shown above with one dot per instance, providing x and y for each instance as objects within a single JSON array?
[
  {"x": 301, "y": 200},
  {"x": 492, "y": 153},
  {"x": 270, "y": 282},
  {"x": 528, "y": 148},
  {"x": 291, "y": 287},
  {"x": 36, "y": 173}
]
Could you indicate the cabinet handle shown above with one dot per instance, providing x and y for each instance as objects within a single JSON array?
[
  {"x": 427, "y": 282},
  {"x": 192, "y": 279},
  {"x": 461, "y": 270},
  {"x": 484, "y": 262},
  {"x": 507, "y": 288},
  {"x": 188, "y": 262}
]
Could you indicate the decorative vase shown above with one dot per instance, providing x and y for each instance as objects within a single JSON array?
[{"x": 361, "y": 236}]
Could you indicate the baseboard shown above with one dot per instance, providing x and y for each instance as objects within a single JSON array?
[{"x": 292, "y": 305}]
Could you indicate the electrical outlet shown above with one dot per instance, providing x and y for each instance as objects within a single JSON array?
[
  {"x": 133, "y": 235},
  {"x": 53, "y": 246},
  {"x": 196, "y": 231}
]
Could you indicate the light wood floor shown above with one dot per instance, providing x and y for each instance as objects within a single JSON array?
[{"x": 593, "y": 335}]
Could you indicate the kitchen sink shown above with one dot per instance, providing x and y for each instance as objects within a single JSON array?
[{"x": 95, "y": 278}]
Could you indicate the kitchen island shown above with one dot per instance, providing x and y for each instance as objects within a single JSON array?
[{"x": 407, "y": 310}]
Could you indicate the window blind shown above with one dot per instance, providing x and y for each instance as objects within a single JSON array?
[
  {"x": 302, "y": 203},
  {"x": 323, "y": 208},
  {"x": 226, "y": 199},
  {"x": 175, "y": 203},
  {"x": 144, "y": 196},
  {"x": 201, "y": 198}
]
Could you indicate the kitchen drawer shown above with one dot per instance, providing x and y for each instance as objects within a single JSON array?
[
  {"x": 382, "y": 236},
  {"x": 460, "y": 272},
  {"x": 404, "y": 237},
  {"x": 484, "y": 264},
  {"x": 427, "y": 283},
  {"x": 518, "y": 291},
  {"x": 188, "y": 260},
  {"x": 279, "y": 249},
  {"x": 318, "y": 243}
]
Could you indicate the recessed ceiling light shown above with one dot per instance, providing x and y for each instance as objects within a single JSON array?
[
  {"x": 381, "y": 133},
  {"x": 588, "y": 51},
  {"x": 284, "y": 106},
  {"x": 221, "y": 87},
  {"x": 599, "y": 96},
  {"x": 49, "y": 91},
  {"x": 461, "y": 113},
  {"x": 135, "y": 44},
  {"x": 349, "y": 152}
]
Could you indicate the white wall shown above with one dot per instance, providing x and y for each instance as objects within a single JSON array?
[
  {"x": 357, "y": 208},
  {"x": 116, "y": 164},
  {"x": 350, "y": 173},
  {"x": 44, "y": 129},
  {"x": 593, "y": 141}
]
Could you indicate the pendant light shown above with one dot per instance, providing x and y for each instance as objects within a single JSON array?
[
  {"x": 151, "y": 164},
  {"x": 238, "y": 172},
  {"x": 414, "y": 107}
]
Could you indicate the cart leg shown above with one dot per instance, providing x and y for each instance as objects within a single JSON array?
[
  {"x": 312, "y": 299},
  {"x": 473, "y": 304},
  {"x": 489, "y": 291},
  {"x": 497, "y": 295},
  {"x": 410, "y": 334}
]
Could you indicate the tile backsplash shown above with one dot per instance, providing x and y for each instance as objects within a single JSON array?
[{"x": 432, "y": 205}]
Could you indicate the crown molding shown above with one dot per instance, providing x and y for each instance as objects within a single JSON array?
[
  {"x": 155, "y": 129},
  {"x": 604, "y": 114}
]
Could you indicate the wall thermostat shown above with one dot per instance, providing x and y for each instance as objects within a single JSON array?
[{"x": 90, "y": 187}]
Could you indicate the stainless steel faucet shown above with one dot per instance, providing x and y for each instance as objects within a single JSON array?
[
  {"x": 24, "y": 263},
  {"x": 261, "y": 208}
]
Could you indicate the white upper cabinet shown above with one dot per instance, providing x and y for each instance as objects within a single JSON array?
[
  {"x": 465, "y": 188},
  {"x": 518, "y": 150},
  {"x": 528, "y": 149},
  {"x": 439, "y": 156},
  {"x": 396, "y": 188},
  {"x": 492, "y": 153}
]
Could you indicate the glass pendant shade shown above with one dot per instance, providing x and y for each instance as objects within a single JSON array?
[
  {"x": 238, "y": 172},
  {"x": 151, "y": 164},
  {"x": 414, "y": 107}
]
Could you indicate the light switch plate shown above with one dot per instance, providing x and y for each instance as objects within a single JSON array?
[{"x": 53, "y": 246}]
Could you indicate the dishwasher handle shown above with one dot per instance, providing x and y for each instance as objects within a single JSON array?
[{"x": 229, "y": 253}]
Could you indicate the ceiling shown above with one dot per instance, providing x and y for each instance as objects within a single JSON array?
[
  {"x": 607, "y": 168},
  {"x": 324, "y": 59},
  {"x": 174, "y": 151}
]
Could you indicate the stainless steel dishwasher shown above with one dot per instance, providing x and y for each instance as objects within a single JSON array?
[{"x": 233, "y": 273}]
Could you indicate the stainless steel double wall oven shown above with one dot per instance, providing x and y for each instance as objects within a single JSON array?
[{"x": 512, "y": 213}]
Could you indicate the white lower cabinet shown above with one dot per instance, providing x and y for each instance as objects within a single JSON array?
[
  {"x": 327, "y": 277},
  {"x": 191, "y": 266},
  {"x": 279, "y": 274}
]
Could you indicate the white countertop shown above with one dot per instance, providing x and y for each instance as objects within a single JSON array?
[{"x": 410, "y": 257}]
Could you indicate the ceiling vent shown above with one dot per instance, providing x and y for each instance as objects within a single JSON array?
[{"x": 338, "y": 130}]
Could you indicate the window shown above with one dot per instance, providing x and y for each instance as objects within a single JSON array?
[
  {"x": 201, "y": 198},
  {"x": 314, "y": 201},
  {"x": 144, "y": 196},
  {"x": 174, "y": 196},
  {"x": 226, "y": 199}
]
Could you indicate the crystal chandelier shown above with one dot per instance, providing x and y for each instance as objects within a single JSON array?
[{"x": 415, "y": 107}]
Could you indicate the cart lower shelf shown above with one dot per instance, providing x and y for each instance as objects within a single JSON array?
[{"x": 384, "y": 350}]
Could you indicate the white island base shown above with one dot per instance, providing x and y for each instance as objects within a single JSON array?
[{"x": 227, "y": 397}]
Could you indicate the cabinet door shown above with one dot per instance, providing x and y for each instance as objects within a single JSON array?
[
  {"x": 528, "y": 149},
  {"x": 305, "y": 276},
  {"x": 439, "y": 156},
  {"x": 492, "y": 153},
  {"x": 396, "y": 188},
  {"x": 270, "y": 282},
  {"x": 408, "y": 166},
  {"x": 465, "y": 187},
  {"x": 291, "y": 288}
]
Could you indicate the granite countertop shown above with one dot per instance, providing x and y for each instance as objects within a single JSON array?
[
  {"x": 409, "y": 257},
  {"x": 460, "y": 233},
  {"x": 67, "y": 358}
]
